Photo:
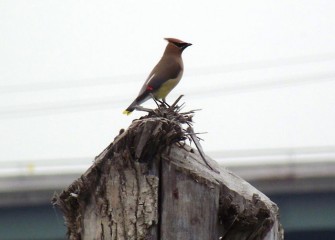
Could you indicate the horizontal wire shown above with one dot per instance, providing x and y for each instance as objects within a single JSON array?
[
  {"x": 99, "y": 104},
  {"x": 87, "y": 82},
  {"x": 303, "y": 150},
  {"x": 276, "y": 151},
  {"x": 269, "y": 84}
]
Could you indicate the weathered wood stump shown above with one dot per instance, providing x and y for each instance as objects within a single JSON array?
[{"x": 148, "y": 185}]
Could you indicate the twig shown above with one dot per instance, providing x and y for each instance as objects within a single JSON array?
[
  {"x": 140, "y": 108},
  {"x": 175, "y": 102},
  {"x": 198, "y": 146},
  {"x": 190, "y": 112}
]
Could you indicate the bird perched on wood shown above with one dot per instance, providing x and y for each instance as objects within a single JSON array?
[{"x": 165, "y": 75}]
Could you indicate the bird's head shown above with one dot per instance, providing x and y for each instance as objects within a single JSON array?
[{"x": 178, "y": 43}]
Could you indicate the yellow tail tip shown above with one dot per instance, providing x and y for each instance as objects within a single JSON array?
[{"x": 126, "y": 112}]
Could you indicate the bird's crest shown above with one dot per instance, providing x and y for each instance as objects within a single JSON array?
[{"x": 174, "y": 40}]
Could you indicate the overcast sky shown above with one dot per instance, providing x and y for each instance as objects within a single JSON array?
[{"x": 261, "y": 71}]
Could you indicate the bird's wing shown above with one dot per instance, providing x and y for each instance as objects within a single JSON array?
[{"x": 165, "y": 70}]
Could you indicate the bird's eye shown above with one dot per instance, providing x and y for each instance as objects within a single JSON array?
[{"x": 180, "y": 45}]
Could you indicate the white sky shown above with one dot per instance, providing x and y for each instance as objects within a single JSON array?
[{"x": 262, "y": 71}]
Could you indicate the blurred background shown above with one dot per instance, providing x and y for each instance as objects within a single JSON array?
[{"x": 263, "y": 73}]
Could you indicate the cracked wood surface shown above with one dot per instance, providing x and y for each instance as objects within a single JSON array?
[{"x": 147, "y": 185}]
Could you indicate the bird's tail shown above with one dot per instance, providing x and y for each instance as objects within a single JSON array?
[
  {"x": 140, "y": 99},
  {"x": 131, "y": 108},
  {"x": 127, "y": 111}
]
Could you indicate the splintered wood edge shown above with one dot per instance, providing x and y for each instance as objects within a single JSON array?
[
  {"x": 236, "y": 194},
  {"x": 187, "y": 159}
]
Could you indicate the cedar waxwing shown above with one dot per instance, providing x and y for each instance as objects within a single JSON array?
[{"x": 165, "y": 75}]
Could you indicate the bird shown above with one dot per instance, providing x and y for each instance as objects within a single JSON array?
[{"x": 164, "y": 76}]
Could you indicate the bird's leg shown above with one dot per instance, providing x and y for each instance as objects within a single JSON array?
[
  {"x": 162, "y": 103},
  {"x": 156, "y": 100},
  {"x": 165, "y": 103}
]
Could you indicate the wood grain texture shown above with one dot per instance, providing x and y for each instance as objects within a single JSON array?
[
  {"x": 232, "y": 207},
  {"x": 147, "y": 185}
]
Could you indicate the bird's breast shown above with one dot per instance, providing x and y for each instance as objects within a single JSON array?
[{"x": 167, "y": 86}]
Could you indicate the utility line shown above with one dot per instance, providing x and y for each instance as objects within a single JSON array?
[
  {"x": 268, "y": 84},
  {"x": 263, "y": 152},
  {"x": 307, "y": 150},
  {"x": 98, "y": 104},
  {"x": 60, "y": 107},
  {"x": 132, "y": 78},
  {"x": 262, "y": 64}
]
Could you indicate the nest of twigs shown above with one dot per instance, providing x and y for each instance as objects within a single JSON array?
[{"x": 174, "y": 114}]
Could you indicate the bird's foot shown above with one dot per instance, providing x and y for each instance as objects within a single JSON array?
[
  {"x": 162, "y": 103},
  {"x": 165, "y": 104}
]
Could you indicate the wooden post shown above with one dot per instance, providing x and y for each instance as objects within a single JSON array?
[{"x": 148, "y": 185}]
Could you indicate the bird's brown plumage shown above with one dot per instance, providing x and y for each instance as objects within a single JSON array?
[{"x": 165, "y": 75}]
